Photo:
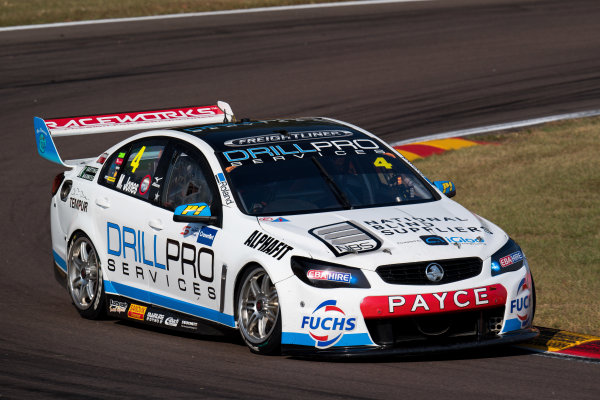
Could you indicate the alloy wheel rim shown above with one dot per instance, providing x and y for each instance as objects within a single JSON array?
[
  {"x": 83, "y": 273},
  {"x": 258, "y": 307}
]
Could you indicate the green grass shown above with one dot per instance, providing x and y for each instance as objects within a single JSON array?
[
  {"x": 542, "y": 186},
  {"x": 27, "y": 12}
]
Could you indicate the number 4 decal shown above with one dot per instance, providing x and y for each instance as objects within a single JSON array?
[
  {"x": 136, "y": 161},
  {"x": 380, "y": 162}
]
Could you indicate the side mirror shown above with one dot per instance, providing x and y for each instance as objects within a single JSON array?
[
  {"x": 194, "y": 212},
  {"x": 446, "y": 187}
]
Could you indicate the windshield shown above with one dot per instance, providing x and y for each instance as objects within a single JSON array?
[{"x": 323, "y": 175}]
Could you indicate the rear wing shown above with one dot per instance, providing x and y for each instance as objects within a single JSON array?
[{"x": 45, "y": 130}]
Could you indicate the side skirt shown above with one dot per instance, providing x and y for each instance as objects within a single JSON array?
[
  {"x": 134, "y": 310},
  {"x": 60, "y": 275}
]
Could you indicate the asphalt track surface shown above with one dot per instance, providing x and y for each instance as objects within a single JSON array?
[{"x": 399, "y": 70}]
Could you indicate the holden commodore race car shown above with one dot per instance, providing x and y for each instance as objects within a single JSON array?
[{"x": 308, "y": 235}]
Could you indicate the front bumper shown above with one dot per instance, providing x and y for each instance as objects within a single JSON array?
[
  {"x": 376, "y": 351},
  {"x": 401, "y": 319}
]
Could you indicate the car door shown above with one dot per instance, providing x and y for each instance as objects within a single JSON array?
[
  {"x": 126, "y": 217},
  {"x": 192, "y": 269}
]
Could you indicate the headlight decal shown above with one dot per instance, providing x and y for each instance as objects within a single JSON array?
[
  {"x": 509, "y": 258},
  {"x": 332, "y": 276},
  {"x": 326, "y": 275}
]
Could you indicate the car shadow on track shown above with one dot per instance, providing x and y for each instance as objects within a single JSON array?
[
  {"x": 450, "y": 355},
  {"x": 205, "y": 332}
]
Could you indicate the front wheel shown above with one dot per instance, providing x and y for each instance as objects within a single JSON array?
[
  {"x": 258, "y": 313},
  {"x": 84, "y": 277}
]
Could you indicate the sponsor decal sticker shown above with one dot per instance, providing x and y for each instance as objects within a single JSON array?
[
  {"x": 428, "y": 225},
  {"x": 444, "y": 186},
  {"x": 191, "y": 209},
  {"x": 522, "y": 303},
  {"x": 224, "y": 188},
  {"x": 206, "y": 236},
  {"x": 434, "y": 240},
  {"x": 511, "y": 259},
  {"x": 142, "y": 256},
  {"x": 433, "y": 303},
  {"x": 189, "y": 324},
  {"x": 190, "y": 230},
  {"x": 155, "y": 317},
  {"x": 156, "y": 182},
  {"x": 120, "y": 183},
  {"x": 273, "y": 219},
  {"x": 88, "y": 173},
  {"x": 117, "y": 306},
  {"x": 78, "y": 204},
  {"x": 170, "y": 321},
  {"x": 136, "y": 312},
  {"x": 130, "y": 186},
  {"x": 77, "y": 192},
  {"x": 331, "y": 276},
  {"x": 42, "y": 141},
  {"x": 327, "y": 324},
  {"x": 174, "y": 114},
  {"x": 286, "y": 137},
  {"x": 345, "y": 237},
  {"x": 145, "y": 185},
  {"x": 464, "y": 240},
  {"x": 285, "y": 151},
  {"x": 265, "y": 243}
]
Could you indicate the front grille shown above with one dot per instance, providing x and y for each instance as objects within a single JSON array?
[
  {"x": 414, "y": 273},
  {"x": 445, "y": 328}
]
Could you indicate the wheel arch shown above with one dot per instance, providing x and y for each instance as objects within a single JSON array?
[
  {"x": 90, "y": 234},
  {"x": 73, "y": 234}
]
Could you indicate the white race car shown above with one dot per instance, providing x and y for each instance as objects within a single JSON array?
[{"x": 308, "y": 235}]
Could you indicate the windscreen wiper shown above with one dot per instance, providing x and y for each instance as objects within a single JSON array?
[{"x": 339, "y": 194}]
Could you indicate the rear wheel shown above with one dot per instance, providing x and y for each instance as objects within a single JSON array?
[
  {"x": 258, "y": 313},
  {"x": 84, "y": 277}
]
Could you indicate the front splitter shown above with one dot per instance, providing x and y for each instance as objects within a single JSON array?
[{"x": 375, "y": 351}]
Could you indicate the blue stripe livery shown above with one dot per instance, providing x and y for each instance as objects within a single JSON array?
[
  {"x": 59, "y": 261},
  {"x": 349, "y": 339},
  {"x": 168, "y": 302}
]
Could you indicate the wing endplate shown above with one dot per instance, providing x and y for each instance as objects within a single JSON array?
[{"x": 45, "y": 144}]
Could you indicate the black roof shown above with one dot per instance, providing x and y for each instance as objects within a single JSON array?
[{"x": 263, "y": 133}]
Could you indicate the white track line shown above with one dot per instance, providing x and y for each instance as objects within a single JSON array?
[
  {"x": 207, "y": 14},
  {"x": 499, "y": 127}
]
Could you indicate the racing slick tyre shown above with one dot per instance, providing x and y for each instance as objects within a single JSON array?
[
  {"x": 258, "y": 312},
  {"x": 84, "y": 277}
]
